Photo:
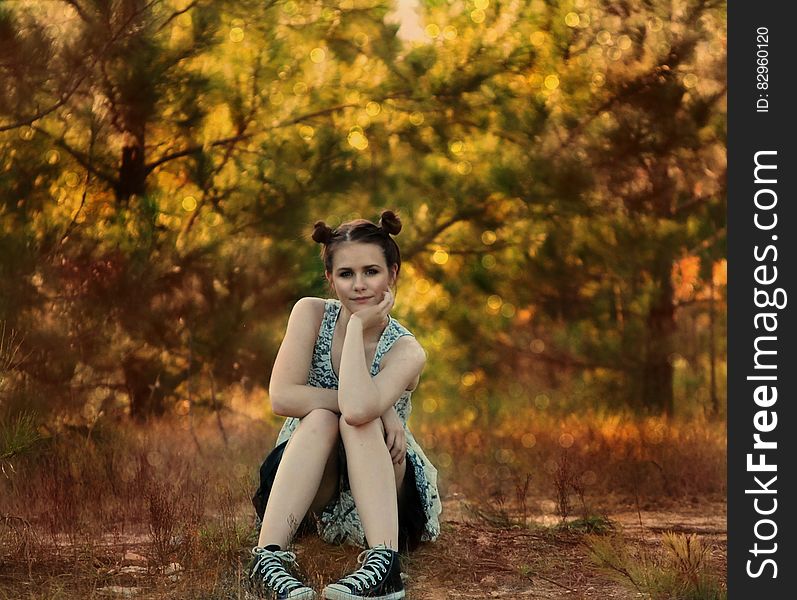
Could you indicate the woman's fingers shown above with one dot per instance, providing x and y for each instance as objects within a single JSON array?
[{"x": 387, "y": 302}]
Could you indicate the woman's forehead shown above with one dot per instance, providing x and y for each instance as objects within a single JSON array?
[{"x": 357, "y": 254}]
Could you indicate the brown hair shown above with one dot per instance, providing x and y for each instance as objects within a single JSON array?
[{"x": 364, "y": 231}]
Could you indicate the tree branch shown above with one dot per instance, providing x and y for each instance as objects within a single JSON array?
[{"x": 84, "y": 161}]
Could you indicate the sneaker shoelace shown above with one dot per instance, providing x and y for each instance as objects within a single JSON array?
[
  {"x": 269, "y": 565},
  {"x": 375, "y": 563}
]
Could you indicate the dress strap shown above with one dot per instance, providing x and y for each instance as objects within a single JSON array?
[
  {"x": 392, "y": 333},
  {"x": 327, "y": 328}
]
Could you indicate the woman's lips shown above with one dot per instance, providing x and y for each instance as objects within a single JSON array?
[{"x": 362, "y": 300}]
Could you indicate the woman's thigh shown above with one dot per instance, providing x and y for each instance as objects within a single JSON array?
[
  {"x": 319, "y": 425},
  {"x": 328, "y": 488}
]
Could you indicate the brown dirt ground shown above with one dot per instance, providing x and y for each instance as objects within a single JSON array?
[{"x": 475, "y": 557}]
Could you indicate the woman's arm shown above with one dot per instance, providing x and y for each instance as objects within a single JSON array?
[
  {"x": 363, "y": 398},
  {"x": 288, "y": 390},
  {"x": 298, "y": 400}
]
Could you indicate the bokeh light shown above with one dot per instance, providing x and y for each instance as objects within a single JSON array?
[
  {"x": 538, "y": 38},
  {"x": 357, "y": 139},
  {"x": 551, "y": 82},
  {"x": 422, "y": 285},
  {"x": 450, "y": 32},
  {"x": 71, "y": 179},
  {"x": 494, "y": 302},
  {"x": 655, "y": 24},
  {"x": 468, "y": 379},
  {"x": 430, "y": 405},
  {"x": 189, "y": 203},
  {"x": 306, "y": 132},
  {"x": 155, "y": 458},
  {"x": 690, "y": 80},
  {"x": 440, "y": 256},
  {"x": 432, "y": 30}
]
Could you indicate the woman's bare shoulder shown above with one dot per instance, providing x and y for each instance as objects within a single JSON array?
[
  {"x": 310, "y": 303},
  {"x": 406, "y": 346},
  {"x": 308, "y": 310}
]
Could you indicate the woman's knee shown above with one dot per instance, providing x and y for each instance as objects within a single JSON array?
[
  {"x": 322, "y": 422},
  {"x": 345, "y": 427}
]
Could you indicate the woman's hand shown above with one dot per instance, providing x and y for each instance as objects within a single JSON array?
[
  {"x": 395, "y": 439},
  {"x": 375, "y": 315}
]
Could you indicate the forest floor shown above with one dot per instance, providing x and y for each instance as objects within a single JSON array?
[
  {"x": 475, "y": 558},
  {"x": 478, "y": 555}
]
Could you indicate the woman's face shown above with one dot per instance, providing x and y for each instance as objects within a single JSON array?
[{"x": 360, "y": 275}]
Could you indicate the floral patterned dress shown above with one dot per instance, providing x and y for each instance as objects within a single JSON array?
[{"x": 339, "y": 521}]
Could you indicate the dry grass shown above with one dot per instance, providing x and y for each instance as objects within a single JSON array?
[
  {"x": 163, "y": 510},
  {"x": 573, "y": 460}
]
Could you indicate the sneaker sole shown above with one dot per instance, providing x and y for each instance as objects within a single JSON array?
[
  {"x": 333, "y": 594},
  {"x": 305, "y": 595}
]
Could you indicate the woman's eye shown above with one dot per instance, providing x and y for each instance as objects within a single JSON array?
[{"x": 372, "y": 271}]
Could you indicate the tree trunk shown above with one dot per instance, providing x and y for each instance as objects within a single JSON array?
[
  {"x": 712, "y": 351},
  {"x": 144, "y": 388},
  {"x": 132, "y": 173},
  {"x": 657, "y": 376}
]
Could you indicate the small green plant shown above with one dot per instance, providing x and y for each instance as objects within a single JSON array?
[
  {"x": 681, "y": 573},
  {"x": 17, "y": 434},
  {"x": 593, "y": 524}
]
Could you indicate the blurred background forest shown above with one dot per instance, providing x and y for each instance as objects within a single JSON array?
[{"x": 559, "y": 167}]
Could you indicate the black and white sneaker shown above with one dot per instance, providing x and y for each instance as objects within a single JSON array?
[
  {"x": 379, "y": 578},
  {"x": 271, "y": 580}
]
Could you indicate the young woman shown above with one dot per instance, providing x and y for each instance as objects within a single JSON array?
[{"x": 344, "y": 460}]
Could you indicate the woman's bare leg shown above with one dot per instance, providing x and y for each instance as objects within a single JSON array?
[
  {"x": 307, "y": 471},
  {"x": 373, "y": 481}
]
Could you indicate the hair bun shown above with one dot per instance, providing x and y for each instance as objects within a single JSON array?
[
  {"x": 321, "y": 232},
  {"x": 390, "y": 222}
]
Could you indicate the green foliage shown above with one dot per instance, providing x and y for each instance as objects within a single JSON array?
[
  {"x": 163, "y": 164},
  {"x": 592, "y": 524},
  {"x": 17, "y": 434}
]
